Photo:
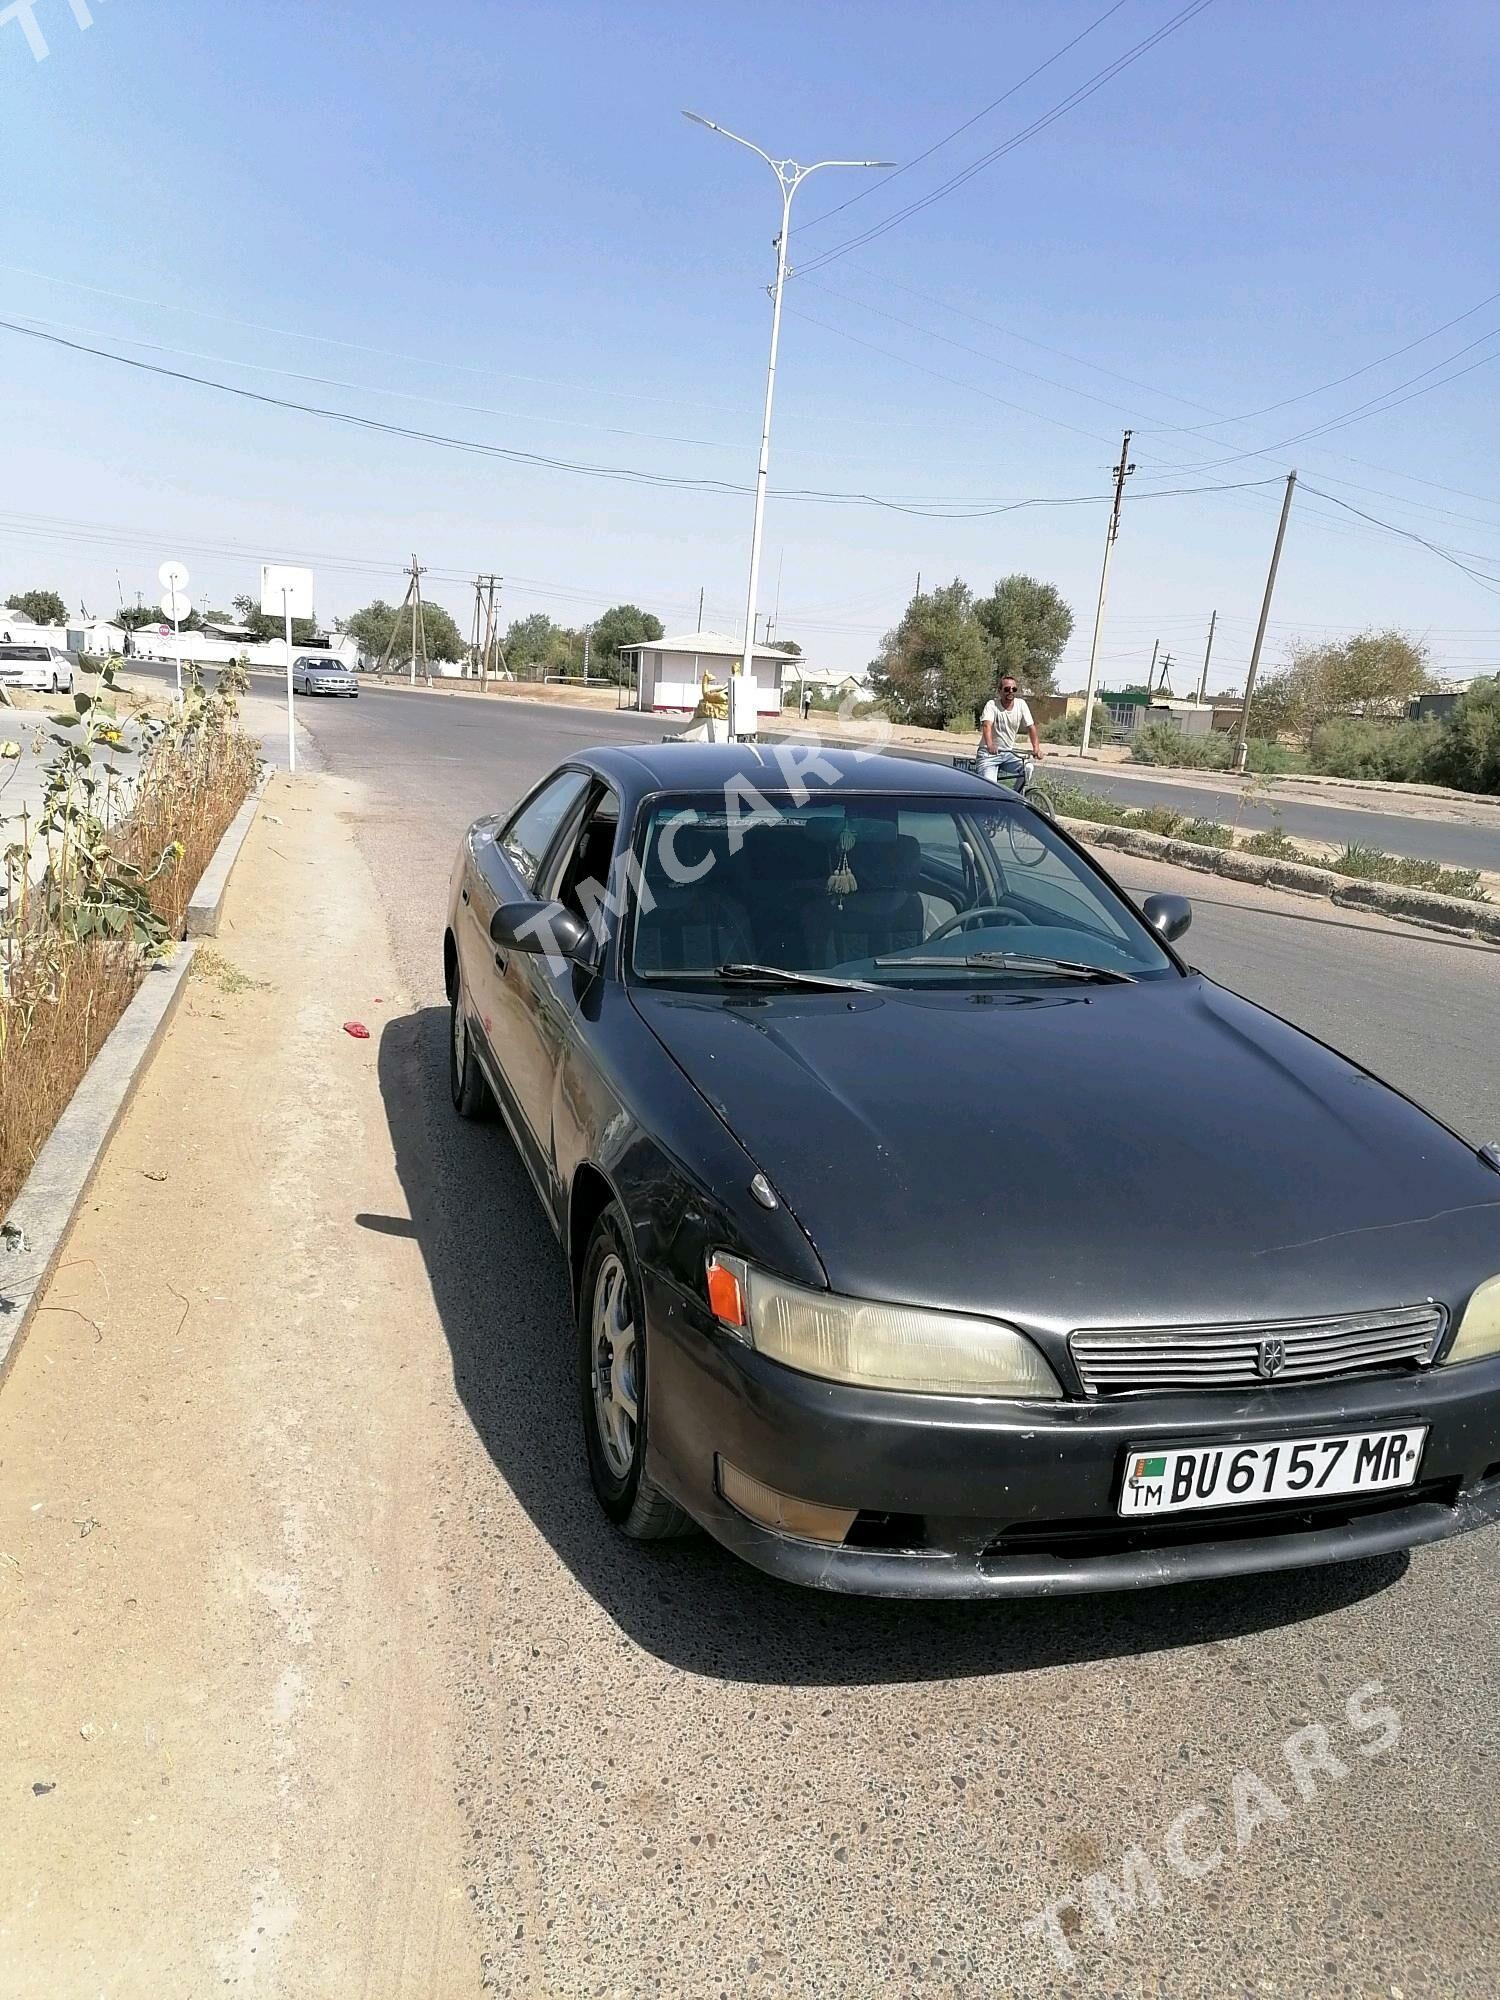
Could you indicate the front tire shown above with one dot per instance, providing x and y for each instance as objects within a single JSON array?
[
  {"x": 612, "y": 1387},
  {"x": 466, "y": 1084}
]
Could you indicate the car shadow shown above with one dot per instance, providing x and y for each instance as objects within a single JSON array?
[{"x": 500, "y": 1287}]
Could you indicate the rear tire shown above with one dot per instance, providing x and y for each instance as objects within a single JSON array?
[
  {"x": 612, "y": 1374},
  {"x": 466, "y": 1085}
]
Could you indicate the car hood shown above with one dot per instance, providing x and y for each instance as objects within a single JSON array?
[{"x": 1141, "y": 1154}]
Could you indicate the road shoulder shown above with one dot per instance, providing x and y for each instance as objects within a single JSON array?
[{"x": 222, "y": 1449}]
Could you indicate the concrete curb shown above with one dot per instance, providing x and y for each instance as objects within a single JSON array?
[
  {"x": 41, "y": 1215},
  {"x": 208, "y": 898},
  {"x": 1449, "y": 913}
]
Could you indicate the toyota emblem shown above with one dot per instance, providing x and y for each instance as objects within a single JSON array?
[{"x": 1270, "y": 1356}]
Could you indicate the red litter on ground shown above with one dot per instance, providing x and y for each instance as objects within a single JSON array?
[{"x": 358, "y": 1029}]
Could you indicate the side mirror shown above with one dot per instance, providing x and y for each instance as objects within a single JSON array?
[
  {"x": 545, "y": 929},
  {"x": 1168, "y": 916}
]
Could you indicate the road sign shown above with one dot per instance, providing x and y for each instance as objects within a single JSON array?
[
  {"x": 173, "y": 576},
  {"x": 175, "y": 603},
  {"x": 286, "y": 592}
]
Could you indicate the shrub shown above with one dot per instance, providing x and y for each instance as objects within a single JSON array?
[
  {"x": 1265, "y": 757},
  {"x": 1069, "y": 728},
  {"x": 1155, "y": 819},
  {"x": 1159, "y": 743},
  {"x": 1371, "y": 864},
  {"x": 1207, "y": 833},
  {"x": 1467, "y": 751},
  {"x": 1073, "y": 802},
  {"x": 1272, "y": 841},
  {"x": 1351, "y": 747}
]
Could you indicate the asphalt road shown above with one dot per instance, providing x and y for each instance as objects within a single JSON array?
[
  {"x": 1454, "y": 842},
  {"x": 681, "y": 1779}
]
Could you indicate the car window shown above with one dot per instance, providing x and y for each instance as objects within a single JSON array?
[
  {"x": 578, "y": 875},
  {"x": 894, "y": 890},
  {"x": 525, "y": 840},
  {"x": 24, "y": 653}
]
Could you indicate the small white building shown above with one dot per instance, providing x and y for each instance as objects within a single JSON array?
[
  {"x": 667, "y": 674},
  {"x": 85, "y": 635}
]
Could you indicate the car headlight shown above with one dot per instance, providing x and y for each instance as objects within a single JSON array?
[
  {"x": 871, "y": 1344},
  {"x": 1479, "y": 1330}
]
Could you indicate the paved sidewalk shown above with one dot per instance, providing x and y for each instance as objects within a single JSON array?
[{"x": 220, "y": 1452}]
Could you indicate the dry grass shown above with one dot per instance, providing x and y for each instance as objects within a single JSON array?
[
  {"x": 48, "y": 1038},
  {"x": 60, "y": 994}
]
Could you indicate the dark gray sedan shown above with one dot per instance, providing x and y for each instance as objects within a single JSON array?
[{"x": 933, "y": 1228}]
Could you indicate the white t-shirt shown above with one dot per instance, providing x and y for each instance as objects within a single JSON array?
[{"x": 1008, "y": 722}]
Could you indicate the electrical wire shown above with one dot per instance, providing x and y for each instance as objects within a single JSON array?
[
  {"x": 1040, "y": 124},
  {"x": 958, "y": 130}
]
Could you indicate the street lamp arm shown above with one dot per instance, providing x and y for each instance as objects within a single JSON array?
[{"x": 725, "y": 133}]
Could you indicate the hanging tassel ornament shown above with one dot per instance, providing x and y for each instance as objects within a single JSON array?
[{"x": 841, "y": 882}]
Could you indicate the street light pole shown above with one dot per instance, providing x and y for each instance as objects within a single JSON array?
[{"x": 789, "y": 177}]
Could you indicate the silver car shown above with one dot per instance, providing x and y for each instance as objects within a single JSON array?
[
  {"x": 46, "y": 669},
  {"x": 313, "y": 676}
]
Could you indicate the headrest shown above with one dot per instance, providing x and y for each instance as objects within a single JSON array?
[{"x": 887, "y": 862}]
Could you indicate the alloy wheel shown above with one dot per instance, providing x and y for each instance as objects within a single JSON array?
[{"x": 615, "y": 1366}]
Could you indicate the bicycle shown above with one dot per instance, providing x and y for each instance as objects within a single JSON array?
[{"x": 1021, "y": 782}]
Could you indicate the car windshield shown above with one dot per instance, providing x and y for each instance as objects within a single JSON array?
[
  {"x": 883, "y": 890},
  {"x": 24, "y": 653}
]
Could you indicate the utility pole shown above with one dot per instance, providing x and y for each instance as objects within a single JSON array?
[
  {"x": 1213, "y": 619},
  {"x": 418, "y": 625},
  {"x": 1122, "y": 470},
  {"x": 700, "y": 607},
  {"x": 1164, "y": 686},
  {"x": 1151, "y": 670},
  {"x": 588, "y": 638},
  {"x": 1240, "y": 748}
]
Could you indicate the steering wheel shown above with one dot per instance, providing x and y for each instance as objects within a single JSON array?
[{"x": 982, "y": 912}]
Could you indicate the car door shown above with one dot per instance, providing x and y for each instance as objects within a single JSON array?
[
  {"x": 540, "y": 994},
  {"x": 506, "y": 867}
]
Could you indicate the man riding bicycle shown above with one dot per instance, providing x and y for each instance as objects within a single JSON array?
[{"x": 1000, "y": 723}]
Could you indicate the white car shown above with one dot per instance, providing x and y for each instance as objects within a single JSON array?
[
  {"x": 313, "y": 676},
  {"x": 45, "y": 669}
]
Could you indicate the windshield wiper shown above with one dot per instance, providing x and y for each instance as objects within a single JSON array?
[
  {"x": 1020, "y": 961},
  {"x": 783, "y": 975}
]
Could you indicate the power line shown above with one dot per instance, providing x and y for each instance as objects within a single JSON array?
[
  {"x": 958, "y": 130},
  {"x": 937, "y": 509},
  {"x": 1069, "y": 103},
  {"x": 360, "y": 347},
  {"x": 1448, "y": 555}
]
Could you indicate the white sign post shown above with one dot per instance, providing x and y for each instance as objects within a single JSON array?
[
  {"x": 173, "y": 578},
  {"x": 289, "y": 591}
]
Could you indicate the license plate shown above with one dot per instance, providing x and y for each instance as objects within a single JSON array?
[{"x": 1162, "y": 1480}]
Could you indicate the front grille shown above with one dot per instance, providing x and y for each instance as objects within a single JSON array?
[{"x": 1113, "y": 1361}]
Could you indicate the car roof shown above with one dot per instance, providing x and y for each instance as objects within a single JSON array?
[{"x": 642, "y": 768}]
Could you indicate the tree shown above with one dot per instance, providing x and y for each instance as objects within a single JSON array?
[
  {"x": 1371, "y": 674},
  {"x": 373, "y": 625},
  {"x": 934, "y": 667},
  {"x": 131, "y": 617},
  {"x": 621, "y": 625},
  {"x": 535, "y": 645},
  {"x": 263, "y": 625},
  {"x": 1026, "y": 624},
  {"x": 1467, "y": 754},
  {"x": 788, "y": 646},
  {"x": 42, "y": 607}
]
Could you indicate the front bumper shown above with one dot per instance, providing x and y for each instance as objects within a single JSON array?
[{"x": 960, "y": 1497}]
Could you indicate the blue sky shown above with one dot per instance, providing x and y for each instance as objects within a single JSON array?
[{"x": 492, "y": 222}]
